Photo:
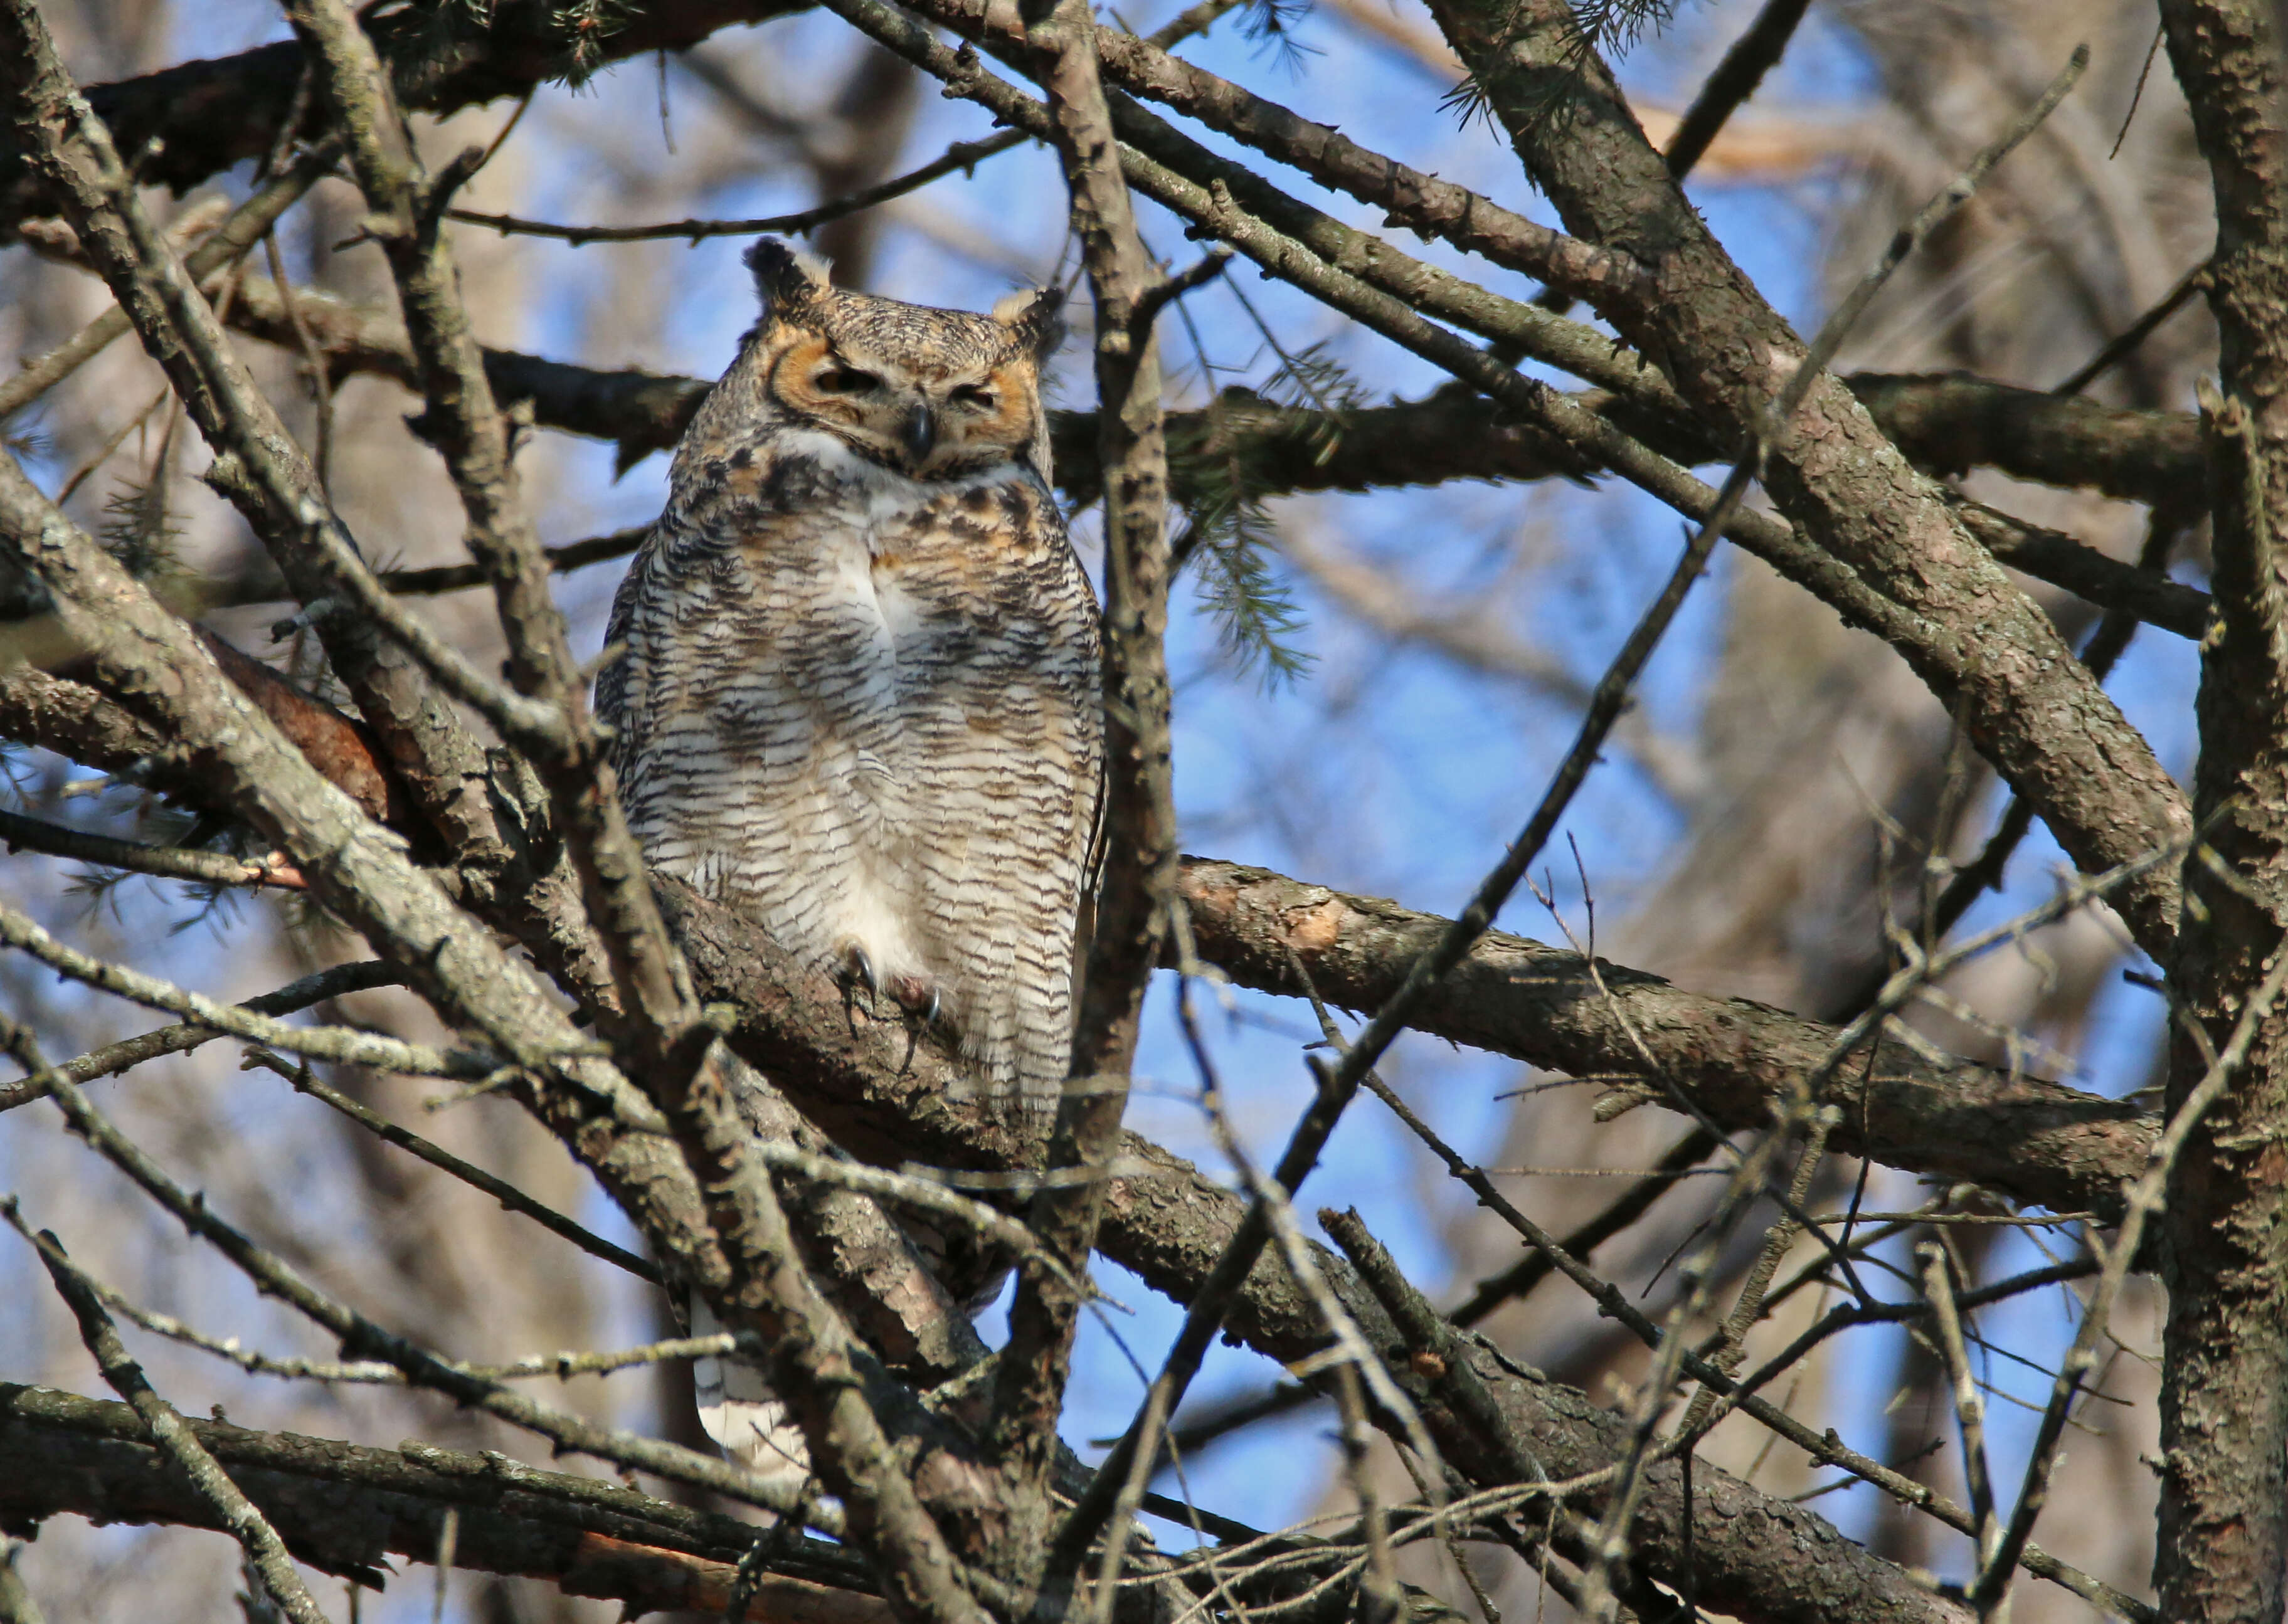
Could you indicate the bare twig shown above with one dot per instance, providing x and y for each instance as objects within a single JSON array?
[
  {"x": 1529, "y": 1271},
  {"x": 256, "y": 464},
  {"x": 20, "y": 833},
  {"x": 560, "y": 1367},
  {"x": 266, "y": 1551},
  {"x": 115, "y": 1057},
  {"x": 963, "y": 156},
  {"x": 1751, "y": 57},
  {"x": 1615, "y": 1303},
  {"x": 340, "y": 1044},
  {"x": 2143, "y": 1199},
  {"x": 1969, "y": 1410},
  {"x": 2126, "y": 343},
  {"x": 508, "y": 1195},
  {"x": 1748, "y": 1308},
  {"x": 313, "y": 359},
  {"x": 1915, "y": 232},
  {"x": 1357, "y": 1361}
]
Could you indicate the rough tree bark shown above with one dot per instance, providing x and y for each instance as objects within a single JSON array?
[{"x": 2224, "y": 1405}]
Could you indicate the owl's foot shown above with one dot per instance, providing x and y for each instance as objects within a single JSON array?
[
  {"x": 916, "y": 996},
  {"x": 859, "y": 976}
]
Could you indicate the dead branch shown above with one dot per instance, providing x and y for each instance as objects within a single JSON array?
[
  {"x": 67, "y": 1454},
  {"x": 1136, "y": 907}
]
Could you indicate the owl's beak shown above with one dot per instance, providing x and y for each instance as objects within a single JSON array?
[{"x": 919, "y": 437}]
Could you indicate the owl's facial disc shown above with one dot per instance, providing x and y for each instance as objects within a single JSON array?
[{"x": 927, "y": 421}]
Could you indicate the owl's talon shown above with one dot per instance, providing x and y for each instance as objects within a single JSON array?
[
  {"x": 859, "y": 969},
  {"x": 918, "y": 997},
  {"x": 859, "y": 976}
]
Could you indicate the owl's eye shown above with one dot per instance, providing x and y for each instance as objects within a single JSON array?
[
  {"x": 973, "y": 395},
  {"x": 845, "y": 381}
]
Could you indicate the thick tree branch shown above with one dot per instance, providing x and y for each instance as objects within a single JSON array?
[
  {"x": 345, "y": 1509},
  {"x": 2223, "y": 1524},
  {"x": 2029, "y": 708},
  {"x": 739, "y": 1253},
  {"x": 82, "y": 725},
  {"x": 256, "y": 462},
  {"x": 469, "y": 430},
  {"x": 2033, "y": 1142},
  {"x": 2037, "y": 1143},
  {"x": 1136, "y": 894},
  {"x": 1947, "y": 422},
  {"x": 266, "y": 1552},
  {"x": 1952, "y": 423},
  {"x": 1423, "y": 203},
  {"x": 1170, "y": 1228},
  {"x": 1453, "y": 434}
]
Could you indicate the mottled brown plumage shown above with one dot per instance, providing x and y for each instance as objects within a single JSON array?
[{"x": 858, "y": 700}]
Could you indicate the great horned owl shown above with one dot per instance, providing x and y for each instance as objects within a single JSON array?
[{"x": 857, "y": 699}]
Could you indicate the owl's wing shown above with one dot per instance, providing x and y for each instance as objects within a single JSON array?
[
  {"x": 1092, "y": 873},
  {"x": 612, "y": 679}
]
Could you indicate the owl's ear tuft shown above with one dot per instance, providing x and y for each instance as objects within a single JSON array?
[
  {"x": 1036, "y": 315},
  {"x": 785, "y": 280}
]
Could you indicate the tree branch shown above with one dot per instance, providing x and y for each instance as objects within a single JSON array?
[
  {"x": 468, "y": 429},
  {"x": 2028, "y": 706},
  {"x": 223, "y": 247},
  {"x": 256, "y": 464},
  {"x": 2223, "y": 1525},
  {"x": 1949, "y": 423},
  {"x": 112, "y": 1058},
  {"x": 205, "y": 116},
  {"x": 346, "y": 1508},
  {"x": 266, "y": 1552},
  {"x": 2035, "y": 1142},
  {"x": 1136, "y": 901}
]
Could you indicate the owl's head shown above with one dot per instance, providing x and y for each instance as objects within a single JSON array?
[{"x": 934, "y": 394}]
